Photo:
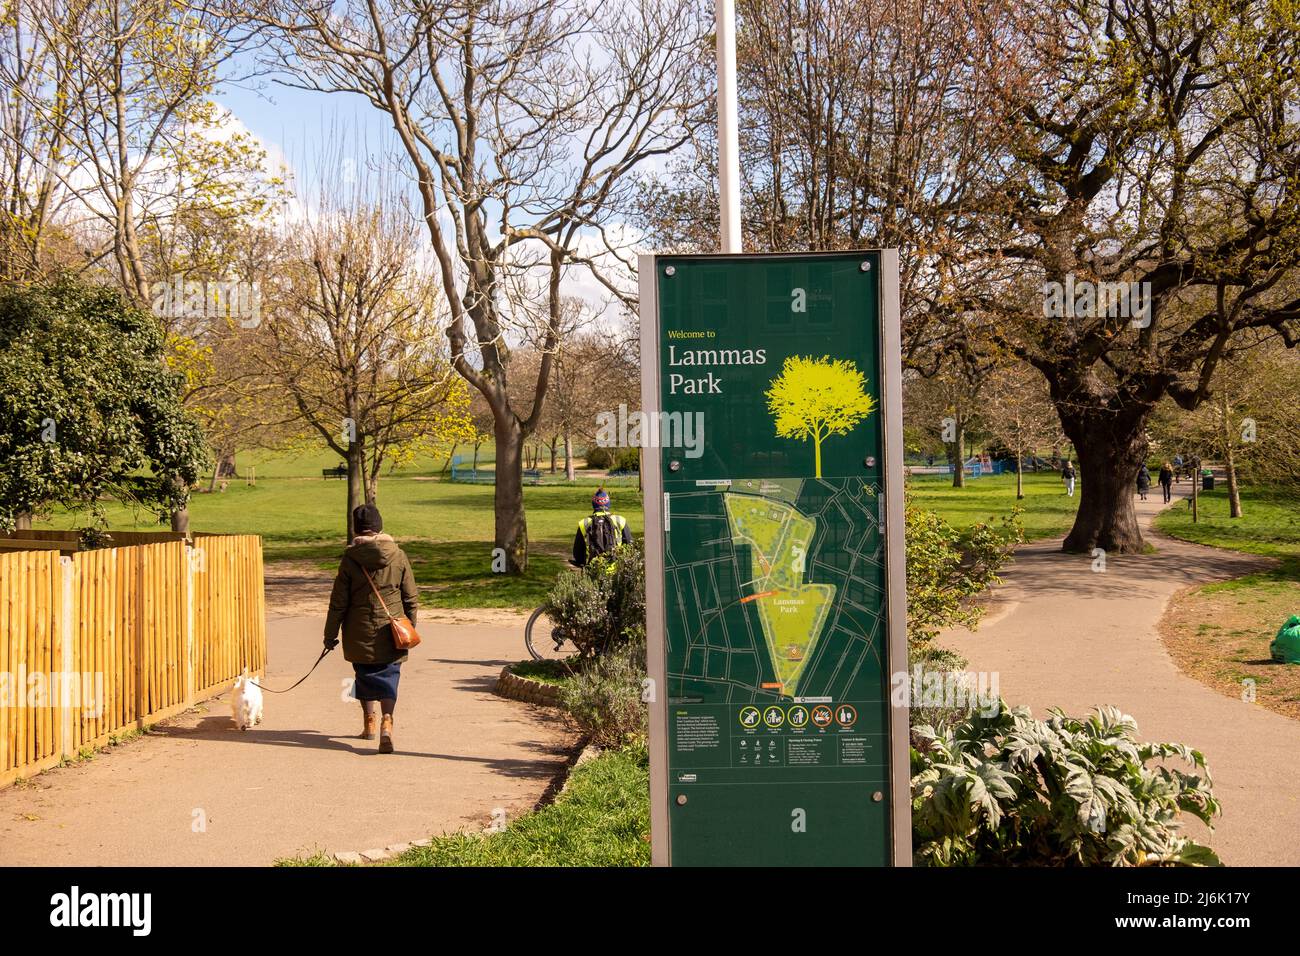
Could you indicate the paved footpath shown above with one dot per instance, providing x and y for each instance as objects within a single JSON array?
[
  {"x": 1069, "y": 637},
  {"x": 301, "y": 780}
]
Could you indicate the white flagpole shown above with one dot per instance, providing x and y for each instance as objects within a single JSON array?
[{"x": 724, "y": 12}]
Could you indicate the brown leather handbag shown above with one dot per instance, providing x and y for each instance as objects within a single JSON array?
[{"x": 404, "y": 633}]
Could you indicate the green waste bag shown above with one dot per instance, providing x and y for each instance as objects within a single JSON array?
[{"x": 1286, "y": 646}]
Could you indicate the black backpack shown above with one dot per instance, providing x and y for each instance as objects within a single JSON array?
[{"x": 602, "y": 537}]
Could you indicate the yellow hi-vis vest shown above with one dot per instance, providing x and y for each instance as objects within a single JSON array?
[{"x": 584, "y": 526}]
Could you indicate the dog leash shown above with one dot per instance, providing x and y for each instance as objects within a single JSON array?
[{"x": 286, "y": 690}]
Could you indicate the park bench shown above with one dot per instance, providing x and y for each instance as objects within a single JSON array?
[
  {"x": 338, "y": 471},
  {"x": 531, "y": 476}
]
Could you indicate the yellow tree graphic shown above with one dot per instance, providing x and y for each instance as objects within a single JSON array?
[{"x": 816, "y": 398}]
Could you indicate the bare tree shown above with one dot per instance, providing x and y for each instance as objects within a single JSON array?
[
  {"x": 354, "y": 337},
  {"x": 1148, "y": 204},
  {"x": 1018, "y": 412},
  {"x": 947, "y": 403},
  {"x": 522, "y": 123},
  {"x": 862, "y": 124},
  {"x": 1249, "y": 423},
  {"x": 112, "y": 111}
]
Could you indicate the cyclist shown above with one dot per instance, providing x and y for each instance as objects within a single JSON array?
[{"x": 600, "y": 532}]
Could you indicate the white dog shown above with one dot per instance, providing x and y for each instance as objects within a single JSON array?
[{"x": 246, "y": 701}]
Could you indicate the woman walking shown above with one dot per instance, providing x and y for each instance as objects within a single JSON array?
[
  {"x": 1167, "y": 481},
  {"x": 1067, "y": 476},
  {"x": 373, "y": 577},
  {"x": 1143, "y": 481}
]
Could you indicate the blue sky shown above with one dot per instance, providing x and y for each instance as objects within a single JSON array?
[
  {"x": 298, "y": 126},
  {"x": 301, "y": 128}
]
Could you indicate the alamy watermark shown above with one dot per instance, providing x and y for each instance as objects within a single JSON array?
[
  {"x": 234, "y": 299},
  {"x": 965, "y": 690},
  {"x": 1087, "y": 299},
  {"x": 67, "y": 689},
  {"x": 637, "y": 429}
]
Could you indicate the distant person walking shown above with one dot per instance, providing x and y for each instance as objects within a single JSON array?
[
  {"x": 1068, "y": 476},
  {"x": 1143, "y": 481},
  {"x": 1167, "y": 481},
  {"x": 1178, "y": 467},
  {"x": 374, "y": 576}
]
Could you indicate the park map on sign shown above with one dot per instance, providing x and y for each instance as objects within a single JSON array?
[{"x": 790, "y": 562}]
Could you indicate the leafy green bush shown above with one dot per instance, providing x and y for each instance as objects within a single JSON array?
[
  {"x": 946, "y": 569},
  {"x": 627, "y": 459},
  {"x": 602, "y": 604},
  {"x": 927, "y": 662},
  {"x": 600, "y": 457},
  {"x": 1008, "y": 790},
  {"x": 80, "y": 359},
  {"x": 604, "y": 697}
]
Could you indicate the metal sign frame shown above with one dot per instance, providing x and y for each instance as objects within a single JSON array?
[{"x": 890, "y": 345}]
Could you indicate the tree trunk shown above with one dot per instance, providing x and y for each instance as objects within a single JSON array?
[
  {"x": 554, "y": 444},
  {"x": 1020, "y": 472},
  {"x": 1229, "y": 457},
  {"x": 355, "y": 492},
  {"x": 1110, "y": 449},
  {"x": 23, "y": 521},
  {"x": 956, "y": 456},
  {"x": 476, "y": 447},
  {"x": 568, "y": 458},
  {"x": 181, "y": 521},
  {"x": 1234, "y": 490},
  {"x": 450, "y": 455},
  {"x": 1196, "y": 490},
  {"x": 511, "y": 525}
]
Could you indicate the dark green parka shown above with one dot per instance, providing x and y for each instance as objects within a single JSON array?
[{"x": 367, "y": 638}]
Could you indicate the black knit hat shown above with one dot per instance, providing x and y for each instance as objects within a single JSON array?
[{"x": 366, "y": 519}]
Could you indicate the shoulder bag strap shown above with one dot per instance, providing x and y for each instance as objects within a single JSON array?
[{"x": 382, "y": 602}]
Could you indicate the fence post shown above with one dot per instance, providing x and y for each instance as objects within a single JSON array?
[
  {"x": 189, "y": 624},
  {"x": 63, "y": 708}
]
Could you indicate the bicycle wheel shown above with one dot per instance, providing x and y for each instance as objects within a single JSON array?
[{"x": 540, "y": 636}]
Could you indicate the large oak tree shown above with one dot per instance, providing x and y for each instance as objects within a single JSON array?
[{"x": 1159, "y": 150}]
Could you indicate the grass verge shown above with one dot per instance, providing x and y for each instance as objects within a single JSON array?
[
  {"x": 1219, "y": 633},
  {"x": 601, "y": 818}
]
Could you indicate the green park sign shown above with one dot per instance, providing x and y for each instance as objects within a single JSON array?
[{"x": 774, "y": 559}]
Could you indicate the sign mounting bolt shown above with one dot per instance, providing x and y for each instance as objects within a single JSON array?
[
  {"x": 670, "y": 271},
  {"x": 865, "y": 267}
]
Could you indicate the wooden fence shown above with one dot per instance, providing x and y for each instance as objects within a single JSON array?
[{"x": 98, "y": 642}]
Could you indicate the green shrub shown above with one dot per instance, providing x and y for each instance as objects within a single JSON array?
[
  {"x": 604, "y": 603},
  {"x": 627, "y": 459},
  {"x": 599, "y": 457},
  {"x": 605, "y": 697},
  {"x": 1008, "y": 790},
  {"x": 945, "y": 666},
  {"x": 946, "y": 569}
]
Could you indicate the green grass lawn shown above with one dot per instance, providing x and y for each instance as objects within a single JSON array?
[
  {"x": 1219, "y": 633},
  {"x": 1270, "y": 522},
  {"x": 447, "y": 528},
  {"x": 1047, "y": 511},
  {"x": 1269, "y": 525}
]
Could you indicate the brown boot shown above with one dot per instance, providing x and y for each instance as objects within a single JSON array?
[
  {"x": 386, "y": 734},
  {"x": 372, "y": 725}
]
